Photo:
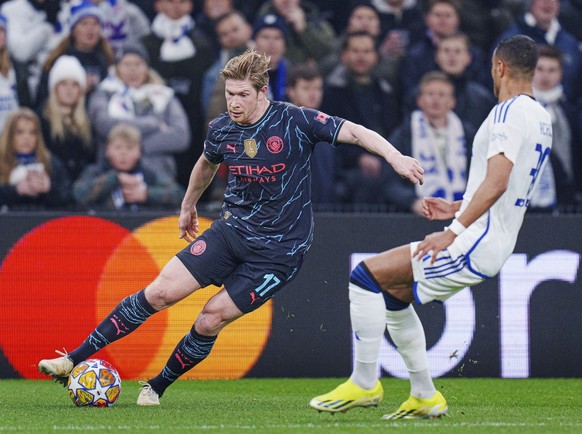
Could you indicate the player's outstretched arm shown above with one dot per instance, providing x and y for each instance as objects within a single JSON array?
[
  {"x": 488, "y": 192},
  {"x": 200, "y": 179},
  {"x": 405, "y": 166}
]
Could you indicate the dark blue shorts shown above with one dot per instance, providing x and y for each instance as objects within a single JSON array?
[{"x": 251, "y": 274}]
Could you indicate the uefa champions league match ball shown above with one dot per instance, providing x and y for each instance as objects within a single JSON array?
[{"x": 94, "y": 383}]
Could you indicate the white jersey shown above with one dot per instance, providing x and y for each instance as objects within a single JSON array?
[{"x": 521, "y": 129}]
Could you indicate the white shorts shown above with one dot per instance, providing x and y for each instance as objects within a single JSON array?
[{"x": 449, "y": 274}]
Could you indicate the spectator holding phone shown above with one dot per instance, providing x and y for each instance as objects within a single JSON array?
[{"x": 30, "y": 176}]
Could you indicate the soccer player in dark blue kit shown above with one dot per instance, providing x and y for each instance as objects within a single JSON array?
[{"x": 266, "y": 225}]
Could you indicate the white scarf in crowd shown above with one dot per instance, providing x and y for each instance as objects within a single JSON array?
[
  {"x": 562, "y": 131},
  {"x": 384, "y": 8},
  {"x": 177, "y": 44},
  {"x": 127, "y": 102},
  {"x": 545, "y": 194},
  {"x": 8, "y": 97},
  {"x": 446, "y": 178},
  {"x": 551, "y": 33}
]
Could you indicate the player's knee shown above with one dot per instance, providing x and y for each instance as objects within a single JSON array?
[
  {"x": 159, "y": 296},
  {"x": 364, "y": 279},
  {"x": 393, "y": 303},
  {"x": 209, "y": 322}
]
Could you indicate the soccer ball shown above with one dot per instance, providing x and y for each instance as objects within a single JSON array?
[{"x": 94, "y": 383}]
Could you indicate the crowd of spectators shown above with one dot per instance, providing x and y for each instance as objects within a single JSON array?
[{"x": 104, "y": 104}]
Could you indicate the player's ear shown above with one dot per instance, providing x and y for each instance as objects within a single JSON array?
[
  {"x": 263, "y": 91},
  {"x": 500, "y": 67}
]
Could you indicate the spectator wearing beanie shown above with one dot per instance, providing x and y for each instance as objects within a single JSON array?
[
  {"x": 134, "y": 93},
  {"x": 65, "y": 124},
  {"x": 86, "y": 42},
  {"x": 270, "y": 34},
  {"x": 122, "y": 21}
]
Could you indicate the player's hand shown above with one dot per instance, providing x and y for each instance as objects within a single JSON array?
[
  {"x": 295, "y": 17},
  {"x": 188, "y": 224},
  {"x": 433, "y": 244},
  {"x": 394, "y": 44},
  {"x": 436, "y": 208},
  {"x": 408, "y": 168}
]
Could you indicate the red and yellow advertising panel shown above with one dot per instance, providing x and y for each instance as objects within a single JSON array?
[{"x": 60, "y": 279}]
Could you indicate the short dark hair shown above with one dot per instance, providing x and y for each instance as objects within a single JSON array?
[
  {"x": 551, "y": 52},
  {"x": 363, "y": 4},
  {"x": 229, "y": 14},
  {"x": 520, "y": 53},
  {"x": 302, "y": 71},
  {"x": 357, "y": 34},
  {"x": 455, "y": 4}
]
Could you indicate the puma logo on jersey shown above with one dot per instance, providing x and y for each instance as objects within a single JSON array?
[{"x": 254, "y": 297}]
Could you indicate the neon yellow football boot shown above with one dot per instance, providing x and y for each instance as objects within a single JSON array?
[
  {"x": 416, "y": 408},
  {"x": 346, "y": 396}
]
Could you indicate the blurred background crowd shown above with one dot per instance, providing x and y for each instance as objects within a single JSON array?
[{"x": 104, "y": 104}]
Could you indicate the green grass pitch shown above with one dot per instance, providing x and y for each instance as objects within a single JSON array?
[{"x": 280, "y": 406}]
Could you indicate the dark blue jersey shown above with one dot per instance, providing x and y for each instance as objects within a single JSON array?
[{"x": 268, "y": 197}]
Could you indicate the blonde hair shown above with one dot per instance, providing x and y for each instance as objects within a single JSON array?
[
  {"x": 126, "y": 132},
  {"x": 8, "y": 156},
  {"x": 79, "y": 120},
  {"x": 5, "y": 62},
  {"x": 251, "y": 65},
  {"x": 63, "y": 47},
  {"x": 153, "y": 77}
]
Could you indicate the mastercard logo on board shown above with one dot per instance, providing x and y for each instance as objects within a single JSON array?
[{"x": 63, "y": 277}]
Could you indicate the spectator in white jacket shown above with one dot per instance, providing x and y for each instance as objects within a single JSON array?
[
  {"x": 28, "y": 35},
  {"x": 28, "y": 29},
  {"x": 135, "y": 94}
]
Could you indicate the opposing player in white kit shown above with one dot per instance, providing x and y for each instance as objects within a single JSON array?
[{"x": 509, "y": 151}]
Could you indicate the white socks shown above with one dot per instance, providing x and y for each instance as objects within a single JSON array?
[
  {"x": 407, "y": 334},
  {"x": 369, "y": 318},
  {"x": 367, "y": 313}
]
